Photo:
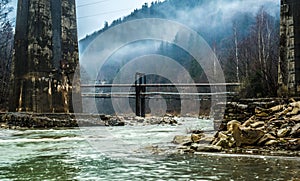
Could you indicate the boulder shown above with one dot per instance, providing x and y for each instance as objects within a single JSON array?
[
  {"x": 266, "y": 138},
  {"x": 283, "y": 113},
  {"x": 242, "y": 135},
  {"x": 247, "y": 136},
  {"x": 295, "y": 111},
  {"x": 105, "y": 117},
  {"x": 168, "y": 120},
  {"x": 283, "y": 132},
  {"x": 295, "y": 104},
  {"x": 4, "y": 125},
  {"x": 206, "y": 140},
  {"x": 295, "y": 131},
  {"x": 232, "y": 125},
  {"x": 295, "y": 118},
  {"x": 115, "y": 121},
  {"x": 196, "y": 137},
  {"x": 180, "y": 139},
  {"x": 271, "y": 142},
  {"x": 262, "y": 114},
  {"x": 276, "y": 108},
  {"x": 277, "y": 126},
  {"x": 249, "y": 121},
  {"x": 225, "y": 141},
  {"x": 257, "y": 124},
  {"x": 206, "y": 148},
  {"x": 294, "y": 144}
]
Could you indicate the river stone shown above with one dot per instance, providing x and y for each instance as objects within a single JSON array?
[
  {"x": 295, "y": 104},
  {"x": 222, "y": 135},
  {"x": 116, "y": 122},
  {"x": 168, "y": 120},
  {"x": 105, "y": 117},
  {"x": 206, "y": 148},
  {"x": 278, "y": 123},
  {"x": 295, "y": 118},
  {"x": 283, "y": 132},
  {"x": 276, "y": 108},
  {"x": 231, "y": 124},
  {"x": 139, "y": 119},
  {"x": 294, "y": 111},
  {"x": 195, "y": 138},
  {"x": 180, "y": 139},
  {"x": 271, "y": 142},
  {"x": 231, "y": 141},
  {"x": 284, "y": 112},
  {"x": 181, "y": 147},
  {"x": 220, "y": 142},
  {"x": 259, "y": 110},
  {"x": 266, "y": 138},
  {"x": 169, "y": 115},
  {"x": 295, "y": 130},
  {"x": 249, "y": 121},
  {"x": 206, "y": 140},
  {"x": 4, "y": 125},
  {"x": 294, "y": 144},
  {"x": 247, "y": 136},
  {"x": 257, "y": 124},
  {"x": 262, "y": 114}
]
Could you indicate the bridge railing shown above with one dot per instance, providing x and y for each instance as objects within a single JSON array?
[{"x": 140, "y": 93}]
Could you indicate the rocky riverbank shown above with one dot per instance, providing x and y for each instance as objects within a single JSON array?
[
  {"x": 46, "y": 121},
  {"x": 272, "y": 131},
  {"x": 30, "y": 120}
]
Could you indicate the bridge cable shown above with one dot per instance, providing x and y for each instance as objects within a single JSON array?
[
  {"x": 108, "y": 12},
  {"x": 89, "y": 4}
]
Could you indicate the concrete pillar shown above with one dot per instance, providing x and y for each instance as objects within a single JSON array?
[
  {"x": 45, "y": 57},
  {"x": 289, "y": 62}
]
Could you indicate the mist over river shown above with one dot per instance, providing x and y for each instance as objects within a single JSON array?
[{"x": 128, "y": 153}]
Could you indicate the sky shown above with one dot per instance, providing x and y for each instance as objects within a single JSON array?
[{"x": 91, "y": 14}]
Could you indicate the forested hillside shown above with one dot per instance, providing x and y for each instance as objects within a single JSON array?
[{"x": 243, "y": 34}]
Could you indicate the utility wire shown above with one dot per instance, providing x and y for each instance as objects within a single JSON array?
[
  {"x": 108, "y": 12},
  {"x": 89, "y": 4}
]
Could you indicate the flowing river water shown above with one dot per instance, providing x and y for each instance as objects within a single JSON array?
[{"x": 126, "y": 153}]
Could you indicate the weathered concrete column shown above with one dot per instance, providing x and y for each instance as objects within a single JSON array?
[
  {"x": 289, "y": 62},
  {"x": 45, "y": 57}
]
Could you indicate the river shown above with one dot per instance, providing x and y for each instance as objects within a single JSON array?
[{"x": 126, "y": 153}]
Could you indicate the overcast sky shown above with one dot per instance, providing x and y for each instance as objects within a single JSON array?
[
  {"x": 92, "y": 14},
  {"x": 92, "y": 17}
]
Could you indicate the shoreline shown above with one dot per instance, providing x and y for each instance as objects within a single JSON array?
[
  {"x": 272, "y": 129},
  {"x": 222, "y": 141},
  {"x": 24, "y": 120}
]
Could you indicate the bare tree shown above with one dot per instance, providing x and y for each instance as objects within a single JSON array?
[
  {"x": 6, "y": 49},
  {"x": 265, "y": 31},
  {"x": 236, "y": 51},
  {"x": 253, "y": 58}
]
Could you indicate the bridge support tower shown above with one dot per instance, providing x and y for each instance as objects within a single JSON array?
[
  {"x": 289, "y": 61},
  {"x": 45, "y": 57}
]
